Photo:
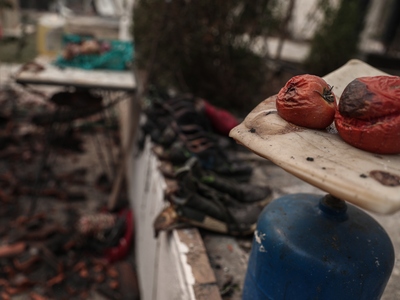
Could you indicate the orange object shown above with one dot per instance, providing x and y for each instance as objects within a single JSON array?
[
  {"x": 368, "y": 115},
  {"x": 36, "y": 296},
  {"x": 12, "y": 250},
  {"x": 55, "y": 280},
  {"x": 307, "y": 101}
]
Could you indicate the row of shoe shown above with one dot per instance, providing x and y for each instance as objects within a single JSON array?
[
  {"x": 207, "y": 200},
  {"x": 180, "y": 129},
  {"x": 206, "y": 187}
]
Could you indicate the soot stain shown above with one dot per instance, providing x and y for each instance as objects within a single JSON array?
[{"x": 385, "y": 178}]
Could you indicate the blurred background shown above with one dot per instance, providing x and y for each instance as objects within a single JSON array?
[{"x": 234, "y": 53}]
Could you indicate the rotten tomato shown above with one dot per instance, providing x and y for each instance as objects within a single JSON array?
[
  {"x": 368, "y": 115},
  {"x": 308, "y": 101}
]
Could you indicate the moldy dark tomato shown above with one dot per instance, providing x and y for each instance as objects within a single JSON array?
[
  {"x": 307, "y": 100},
  {"x": 368, "y": 115}
]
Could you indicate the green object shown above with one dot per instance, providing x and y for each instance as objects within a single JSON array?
[{"x": 118, "y": 57}]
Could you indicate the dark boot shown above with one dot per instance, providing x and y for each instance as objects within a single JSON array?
[
  {"x": 243, "y": 192},
  {"x": 203, "y": 206}
]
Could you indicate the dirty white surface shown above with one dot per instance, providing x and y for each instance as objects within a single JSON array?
[
  {"x": 53, "y": 75},
  {"x": 321, "y": 157}
]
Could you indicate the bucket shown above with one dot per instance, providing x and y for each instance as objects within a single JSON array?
[{"x": 49, "y": 35}]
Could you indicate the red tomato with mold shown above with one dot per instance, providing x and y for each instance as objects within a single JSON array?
[
  {"x": 368, "y": 115},
  {"x": 307, "y": 100}
]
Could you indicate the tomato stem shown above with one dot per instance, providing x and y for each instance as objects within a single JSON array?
[
  {"x": 291, "y": 88},
  {"x": 327, "y": 94}
]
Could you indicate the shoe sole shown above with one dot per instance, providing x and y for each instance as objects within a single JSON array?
[{"x": 199, "y": 219}]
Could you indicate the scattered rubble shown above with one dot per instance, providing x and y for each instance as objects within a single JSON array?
[{"x": 57, "y": 240}]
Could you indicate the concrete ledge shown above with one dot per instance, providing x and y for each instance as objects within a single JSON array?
[{"x": 175, "y": 264}]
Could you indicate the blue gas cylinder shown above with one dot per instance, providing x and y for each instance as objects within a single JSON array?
[{"x": 317, "y": 247}]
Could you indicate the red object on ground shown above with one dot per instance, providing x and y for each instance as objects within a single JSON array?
[
  {"x": 368, "y": 116},
  {"x": 121, "y": 250},
  {"x": 221, "y": 120},
  {"x": 12, "y": 250}
]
